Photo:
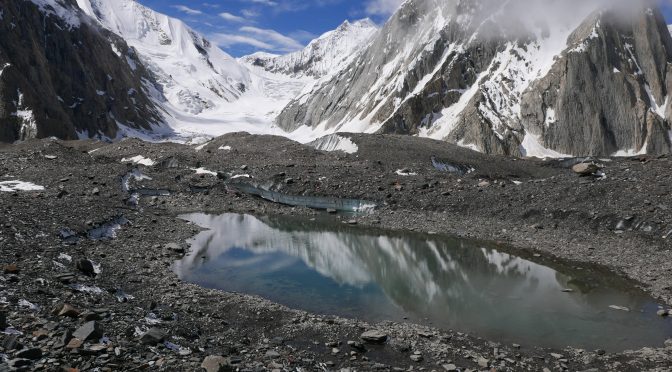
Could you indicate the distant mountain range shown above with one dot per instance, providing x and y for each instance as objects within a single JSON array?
[{"x": 521, "y": 78}]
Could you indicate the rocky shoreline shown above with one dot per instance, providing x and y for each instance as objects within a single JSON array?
[{"x": 75, "y": 303}]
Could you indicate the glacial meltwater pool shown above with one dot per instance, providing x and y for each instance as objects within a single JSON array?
[{"x": 327, "y": 267}]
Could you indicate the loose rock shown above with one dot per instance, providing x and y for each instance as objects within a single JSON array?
[
  {"x": 90, "y": 330},
  {"x": 374, "y": 337},
  {"x": 214, "y": 363},
  {"x": 153, "y": 336}
]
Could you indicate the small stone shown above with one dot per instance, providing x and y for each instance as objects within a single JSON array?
[
  {"x": 32, "y": 354},
  {"x": 75, "y": 343},
  {"x": 663, "y": 312},
  {"x": 68, "y": 311},
  {"x": 95, "y": 191},
  {"x": 352, "y": 222},
  {"x": 272, "y": 354},
  {"x": 50, "y": 157},
  {"x": 175, "y": 248},
  {"x": 484, "y": 184},
  {"x": 516, "y": 346},
  {"x": 416, "y": 358},
  {"x": 557, "y": 356},
  {"x": 374, "y": 337},
  {"x": 585, "y": 169},
  {"x": 483, "y": 363},
  {"x": 449, "y": 367},
  {"x": 11, "y": 269},
  {"x": 331, "y": 211},
  {"x": 568, "y": 290},
  {"x": 41, "y": 334},
  {"x": 243, "y": 167},
  {"x": 86, "y": 267},
  {"x": 425, "y": 334},
  {"x": 18, "y": 362},
  {"x": 3, "y": 320},
  {"x": 153, "y": 336},
  {"x": 11, "y": 342},
  {"x": 214, "y": 363},
  {"x": 335, "y": 350},
  {"x": 357, "y": 346},
  {"x": 90, "y": 330},
  {"x": 90, "y": 315}
]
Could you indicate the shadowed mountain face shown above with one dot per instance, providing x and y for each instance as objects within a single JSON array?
[
  {"x": 63, "y": 76},
  {"x": 516, "y": 77},
  {"x": 451, "y": 283}
]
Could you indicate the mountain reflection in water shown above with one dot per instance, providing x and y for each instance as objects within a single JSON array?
[{"x": 456, "y": 284}]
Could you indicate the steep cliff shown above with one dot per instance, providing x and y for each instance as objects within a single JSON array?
[
  {"x": 63, "y": 76},
  {"x": 540, "y": 78}
]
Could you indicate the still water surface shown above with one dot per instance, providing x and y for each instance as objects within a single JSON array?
[{"x": 330, "y": 268}]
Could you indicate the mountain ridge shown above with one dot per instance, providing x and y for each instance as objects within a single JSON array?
[{"x": 464, "y": 78}]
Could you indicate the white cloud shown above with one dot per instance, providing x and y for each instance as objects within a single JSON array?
[
  {"x": 284, "y": 43},
  {"x": 382, "y": 7},
  {"x": 265, "y": 39},
  {"x": 186, "y": 9},
  {"x": 233, "y": 18}
]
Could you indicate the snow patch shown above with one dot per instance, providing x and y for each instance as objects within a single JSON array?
[
  {"x": 531, "y": 147},
  {"x": 139, "y": 160},
  {"x": 405, "y": 173},
  {"x": 14, "y": 186},
  {"x": 204, "y": 171}
]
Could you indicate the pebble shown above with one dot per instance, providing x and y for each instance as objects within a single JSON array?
[
  {"x": 416, "y": 358},
  {"x": 32, "y": 354}
]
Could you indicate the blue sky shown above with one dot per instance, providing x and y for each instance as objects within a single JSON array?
[{"x": 244, "y": 26}]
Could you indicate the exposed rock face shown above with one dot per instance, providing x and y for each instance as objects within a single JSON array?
[
  {"x": 60, "y": 76},
  {"x": 571, "y": 77}
]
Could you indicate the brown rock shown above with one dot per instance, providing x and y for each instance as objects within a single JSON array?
[
  {"x": 215, "y": 363},
  {"x": 68, "y": 311},
  {"x": 75, "y": 343},
  {"x": 585, "y": 169},
  {"x": 11, "y": 269}
]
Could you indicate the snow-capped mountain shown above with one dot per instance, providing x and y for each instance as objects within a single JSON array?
[
  {"x": 323, "y": 56},
  {"x": 195, "y": 75},
  {"x": 516, "y": 77}
]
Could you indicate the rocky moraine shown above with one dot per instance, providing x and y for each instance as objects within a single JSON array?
[{"x": 89, "y": 235}]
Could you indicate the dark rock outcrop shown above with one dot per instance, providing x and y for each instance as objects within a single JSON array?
[{"x": 62, "y": 75}]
